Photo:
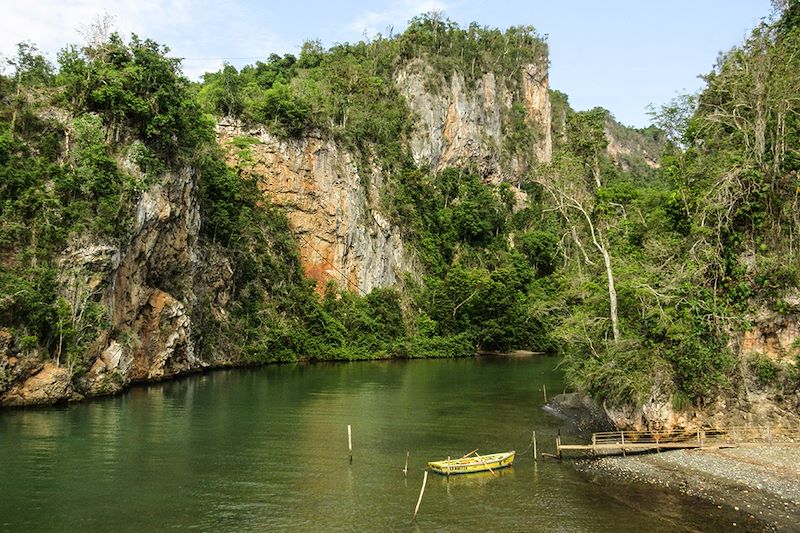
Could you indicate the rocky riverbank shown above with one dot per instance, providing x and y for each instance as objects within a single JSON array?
[
  {"x": 758, "y": 484},
  {"x": 582, "y": 414}
]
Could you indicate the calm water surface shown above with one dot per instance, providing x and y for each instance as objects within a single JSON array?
[{"x": 266, "y": 450}]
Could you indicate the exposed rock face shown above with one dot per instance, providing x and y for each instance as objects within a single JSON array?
[
  {"x": 620, "y": 152},
  {"x": 581, "y": 410},
  {"x": 774, "y": 336},
  {"x": 657, "y": 413},
  {"x": 148, "y": 289},
  {"x": 626, "y": 145},
  {"x": 163, "y": 250},
  {"x": 332, "y": 208},
  {"x": 25, "y": 379},
  {"x": 462, "y": 126},
  {"x": 745, "y": 408},
  {"x": 535, "y": 89},
  {"x": 50, "y": 384},
  {"x": 84, "y": 271},
  {"x": 166, "y": 339},
  {"x": 111, "y": 360},
  {"x": 151, "y": 291},
  {"x": 150, "y": 285},
  {"x": 332, "y": 205}
]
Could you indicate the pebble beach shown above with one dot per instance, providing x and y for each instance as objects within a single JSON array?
[{"x": 760, "y": 484}]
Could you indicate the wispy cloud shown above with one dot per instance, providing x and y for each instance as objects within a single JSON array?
[
  {"x": 206, "y": 32},
  {"x": 51, "y": 24},
  {"x": 396, "y": 14}
]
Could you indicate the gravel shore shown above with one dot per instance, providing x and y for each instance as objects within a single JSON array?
[{"x": 761, "y": 483}]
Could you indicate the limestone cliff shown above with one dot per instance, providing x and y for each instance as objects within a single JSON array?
[
  {"x": 148, "y": 287},
  {"x": 332, "y": 204},
  {"x": 630, "y": 147},
  {"x": 464, "y": 125},
  {"x": 332, "y": 207}
]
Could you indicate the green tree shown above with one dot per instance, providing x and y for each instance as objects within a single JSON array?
[{"x": 221, "y": 92}]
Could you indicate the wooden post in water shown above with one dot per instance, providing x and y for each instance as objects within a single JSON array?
[
  {"x": 622, "y": 434},
  {"x": 350, "y": 441},
  {"x": 405, "y": 469},
  {"x": 421, "y": 492},
  {"x": 448, "y": 467},
  {"x": 533, "y": 440},
  {"x": 558, "y": 447},
  {"x": 594, "y": 445},
  {"x": 544, "y": 390}
]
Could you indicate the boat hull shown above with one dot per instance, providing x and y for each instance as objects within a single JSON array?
[{"x": 469, "y": 465}]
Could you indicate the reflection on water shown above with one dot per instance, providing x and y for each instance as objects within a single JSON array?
[{"x": 266, "y": 449}]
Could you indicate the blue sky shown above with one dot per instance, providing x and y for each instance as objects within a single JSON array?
[{"x": 618, "y": 54}]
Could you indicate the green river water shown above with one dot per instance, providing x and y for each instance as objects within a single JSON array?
[{"x": 266, "y": 450}]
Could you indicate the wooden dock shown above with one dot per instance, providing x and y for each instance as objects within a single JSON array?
[{"x": 615, "y": 442}]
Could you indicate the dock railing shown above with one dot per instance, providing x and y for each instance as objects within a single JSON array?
[{"x": 628, "y": 441}]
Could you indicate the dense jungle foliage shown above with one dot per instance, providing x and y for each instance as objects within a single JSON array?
[
  {"x": 639, "y": 274},
  {"x": 698, "y": 249}
]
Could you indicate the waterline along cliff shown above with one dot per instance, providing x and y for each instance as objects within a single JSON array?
[{"x": 424, "y": 195}]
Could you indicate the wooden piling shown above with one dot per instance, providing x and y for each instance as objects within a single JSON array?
[
  {"x": 421, "y": 492},
  {"x": 544, "y": 390},
  {"x": 350, "y": 441},
  {"x": 405, "y": 468},
  {"x": 533, "y": 441},
  {"x": 622, "y": 433},
  {"x": 448, "y": 467}
]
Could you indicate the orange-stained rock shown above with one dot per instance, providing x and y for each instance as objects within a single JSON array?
[
  {"x": 51, "y": 384},
  {"x": 331, "y": 205},
  {"x": 775, "y": 336},
  {"x": 166, "y": 346}
]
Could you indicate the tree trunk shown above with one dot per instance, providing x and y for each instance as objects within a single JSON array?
[
  {"x": 600, "y": 244},
  {"x": 612, "y": 291}
]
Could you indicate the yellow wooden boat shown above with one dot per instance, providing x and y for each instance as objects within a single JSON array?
[{"x": 476, "y": 463}]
